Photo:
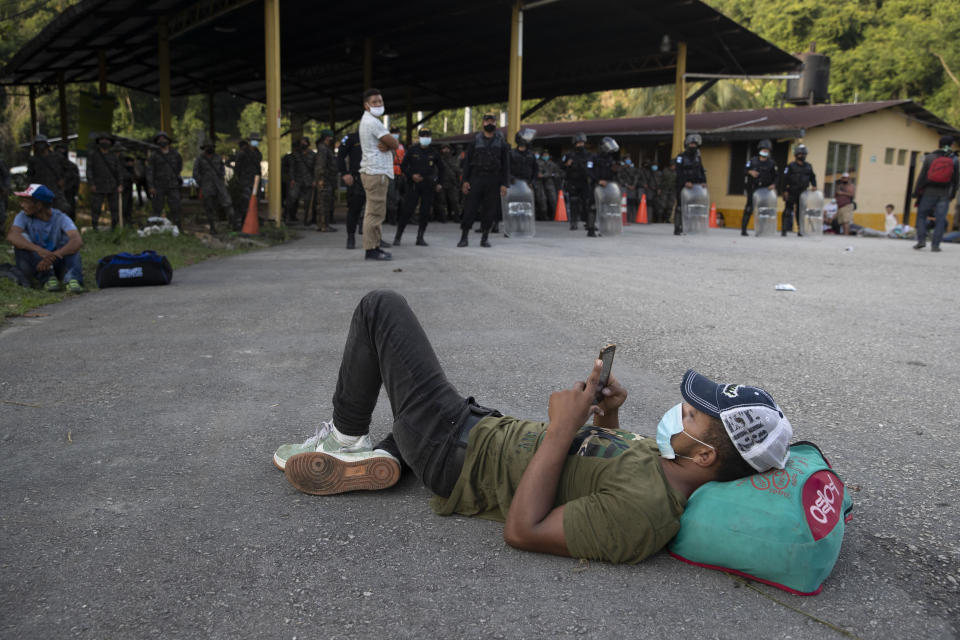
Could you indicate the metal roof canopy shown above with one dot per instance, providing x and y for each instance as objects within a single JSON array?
[{"x": 445, "y": 54}]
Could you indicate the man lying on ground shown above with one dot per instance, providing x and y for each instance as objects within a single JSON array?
[
  {"x": 583, "y": 491},
  {"x": 46, "y": 241}
]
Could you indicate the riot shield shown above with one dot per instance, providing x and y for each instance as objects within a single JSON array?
[
  {"x": 695, "y": 208},
  {"x": 609, "y": 218},
  {"x": 518, "y": 211},
  {"x": 765, "y": 208},
  {"x": 811, "y": 212}
]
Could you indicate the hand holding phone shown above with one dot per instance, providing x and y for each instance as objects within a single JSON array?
[{"x": 606, "y": 357}]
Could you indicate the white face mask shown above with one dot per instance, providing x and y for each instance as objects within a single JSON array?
[
  {"x": 425, "y": 142},
  {"x": 764, "y": 153},
  {"x": 376, "y": 111},
  {"x": 396, "y": 135}
]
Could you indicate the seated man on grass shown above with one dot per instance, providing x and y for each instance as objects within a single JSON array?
[
  {"x": 561, "y": 487},
  {"x": 46, "y": 241}
]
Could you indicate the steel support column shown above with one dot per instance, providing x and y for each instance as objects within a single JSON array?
[
  {"x": 680, "y": 101},
  {"x": 163, "y": 75},
  {"x": 516, "y": 72},
  {"x": 271, "y": 27}
]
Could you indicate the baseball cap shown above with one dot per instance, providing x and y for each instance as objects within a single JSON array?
[
  {"x": 37, "y": 192},
  {"x": 753, "y": 421}
]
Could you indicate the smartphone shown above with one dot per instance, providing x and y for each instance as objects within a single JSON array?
[{"x": 606, "y": 355}]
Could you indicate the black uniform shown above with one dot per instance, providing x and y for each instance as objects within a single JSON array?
[
  {"x": 425, "y": 162},
  {"x": 796, "y": 178},
  {"x": 577, "y": 182},
  {"x": 768, "y": 171},
  {"x": 487, "y": 168},
  {"x": 689, "y": 169},
  {"x": 523, "y": 166},
  {"x": 246, "y": 168},
  {"x": 348, "y": 163}
]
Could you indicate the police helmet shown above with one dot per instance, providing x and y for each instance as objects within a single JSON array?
[
  {"x": 161, "y": 134},
  {"x": 525, "y": 136},
  {"x": 580, "y": 137},
  {"x": 609, "y": 145},
  {"x": 692, "y": 138},
  {"x": 765, "y": 144},
  {"x": 41, "y": 139},
  {"x": 801, "y": 150}
]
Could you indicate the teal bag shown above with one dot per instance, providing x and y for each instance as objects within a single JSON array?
[{"x": 782, "y": 527}]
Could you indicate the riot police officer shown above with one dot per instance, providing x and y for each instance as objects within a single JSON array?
[
  {"x": 796, "y": 178},
  {"x": 348, "y": 164},
  {"x": 578, "y": 167},
  {"x": 760, "y": 173},
  {"x": 424, "y": 171},
  {"x": 523, "y": 164},
  {"x": 486, "y": 174},
  {"x": 689, "y": 172}
]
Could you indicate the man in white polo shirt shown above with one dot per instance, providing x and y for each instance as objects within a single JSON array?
[{"x": 376, "y": 170}]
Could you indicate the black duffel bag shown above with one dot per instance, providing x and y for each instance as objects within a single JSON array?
[{"x": 133, "y": 270}]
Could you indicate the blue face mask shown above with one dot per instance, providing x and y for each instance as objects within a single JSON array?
[
  {"x": 670, "y": 425},
  {"x": 654, "y": 167},
  {"x": 254, "y": 143},
  {"x": 628, "y": 162}
]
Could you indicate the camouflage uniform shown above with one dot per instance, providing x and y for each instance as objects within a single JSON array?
[
  {"x": 71, "y": 181},
  {"x": 668, "y": 188},
  {"x": 300, "y": 163},
  {"x": 447, "y": 203},
  {"x": 44, "y": 168},
  {"x": 164, "y": 181},
  {"x": 629, "y": 179},
  {"x": 208, "y": 171},
  {"x": 246, "y": 168},
  {"x": 325, "y": 177},
  {"x": 105, "y": 177},
  {"x": 548, "y": 183}
]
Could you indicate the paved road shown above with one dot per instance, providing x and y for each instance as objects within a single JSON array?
[{"x": 137, "y": 497}]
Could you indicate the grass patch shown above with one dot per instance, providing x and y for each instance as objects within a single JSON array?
[{"x": 181, "y": 251}]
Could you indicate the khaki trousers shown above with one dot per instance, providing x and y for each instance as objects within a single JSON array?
[{"x": 375, "y": 212}]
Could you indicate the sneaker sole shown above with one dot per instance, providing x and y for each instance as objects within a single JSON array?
[
  {"x": 279, "y": 463},
  {"x": 320, "y": 474}
]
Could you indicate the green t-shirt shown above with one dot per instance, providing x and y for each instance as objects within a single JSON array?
[{"x": 619, "y": 507}]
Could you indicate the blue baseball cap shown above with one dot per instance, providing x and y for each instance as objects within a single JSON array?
[
  {"x": 37, "y": 192},
  {"x": 753, "y": 421}
]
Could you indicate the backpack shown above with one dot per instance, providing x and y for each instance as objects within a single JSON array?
[
  {"x": 131, "y": 270},
  {"x": 940, "y": 170},
  {"x": 782, "y": 527}
]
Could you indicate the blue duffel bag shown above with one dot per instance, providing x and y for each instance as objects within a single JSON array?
[{"x": 133, "y": 270}]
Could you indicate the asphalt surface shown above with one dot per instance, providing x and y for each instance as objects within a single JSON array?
[{"x": 138, "y": 498}]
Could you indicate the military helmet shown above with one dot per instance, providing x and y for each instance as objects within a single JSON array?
[
  {"x": 256, "y": 136},
  {"x": 41, "y": 138},
  {"x": 525, "y": 136},
  {"x": 325, "y": 133},
  {"x": 161, "y": 134},
  {"x": 800, "y": 150},
  {"x": 102, "y": 135},
  {"x": 609, "y": 145},
  {"x": 693, "y": 138},
  {"x": 765, "y": 144},
  {"x": 580, "y": 137}
]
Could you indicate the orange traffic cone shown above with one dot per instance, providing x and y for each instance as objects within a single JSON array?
[
  {"x": 561, "y": 214},
  {"x": 251, "y": 224},
  {"x": 713, "y": 215},
  {"x": 642, "y": 210},
  {"x": 623, "y": 208}
]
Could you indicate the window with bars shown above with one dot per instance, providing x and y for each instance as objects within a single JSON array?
[{"x": 842, "y": 157}]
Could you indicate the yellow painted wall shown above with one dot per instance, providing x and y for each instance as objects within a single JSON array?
[{"x": 877, "y": 183}]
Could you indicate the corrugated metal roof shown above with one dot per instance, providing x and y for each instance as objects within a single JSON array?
[
  {"x": 750, "y": 124},
  {"x": 438, "y": 54}
]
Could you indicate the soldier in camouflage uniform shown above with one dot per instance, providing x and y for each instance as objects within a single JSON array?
[
  {"x": 246, "y": 168},
  {"x": 325, "y": 181},
  {"x": 44, "y": 168},
  {"x": 71, "y": 179},
  {"x": 668, "y": 193},
  {"x": 300, "y": 180},
  {"x": 549, "y": 182},
  {"x": 163, "y": 177},
  {"x": 447, "y": 203},
  {"x": 208, "y": 171},
  {"x": 629, "y": 179},
  {"x": 105, "y": 179}
]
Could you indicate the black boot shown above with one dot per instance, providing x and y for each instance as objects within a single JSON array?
[
  {"x": 397, "y": 235},
  {"x": 464, "y": 238},
  {"x": 420, "y": 241},
  {"x": 483, "y": 240},
  {"x": 351, "y": 241}
]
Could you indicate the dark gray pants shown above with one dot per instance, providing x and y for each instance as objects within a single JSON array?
[{"x": 386, "y": 346}]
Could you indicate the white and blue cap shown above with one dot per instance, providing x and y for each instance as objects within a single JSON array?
[
  {"x": 38, "y": 192},
  {"x": 753, "y": 421}
]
